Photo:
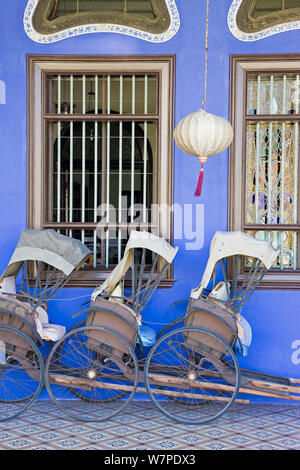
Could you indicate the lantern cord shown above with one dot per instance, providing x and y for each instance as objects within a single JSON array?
[{"x": 206, "y": 56}]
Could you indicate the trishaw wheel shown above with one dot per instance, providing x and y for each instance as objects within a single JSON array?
[
  {"x": 187, "y": 379},
  {"x": 60, "y": 354},
  {"x": 21, "y": 372},
  {"x": 91, "y": 373}
]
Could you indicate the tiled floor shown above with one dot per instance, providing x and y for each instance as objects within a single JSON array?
[{"x": 141, "y": 426}]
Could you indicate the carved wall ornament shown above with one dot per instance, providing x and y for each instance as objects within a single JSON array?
[
  {"x": 47, "y": 21},
  {"x": 251, "y": 20}
]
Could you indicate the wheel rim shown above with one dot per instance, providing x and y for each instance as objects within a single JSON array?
[
  {"x": 21, "y": 372},
  {"x": 87, "y": 378},
  {"x": 188, "y": 380}
]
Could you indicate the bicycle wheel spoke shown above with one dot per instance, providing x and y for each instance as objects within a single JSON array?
[
  {"x": 189, "y": 381},
  {"x": 87, "y": 377}
]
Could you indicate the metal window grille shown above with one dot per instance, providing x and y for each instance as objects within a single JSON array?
[
  {"x": 257, "y": 15},
  {"x": 102, "y": 136},
  {"x": 61, "y": 8},
  {"x": 56, "y": 15},
  {"x": 266, "y": 7},
  {"x": 272, "y": 163}
]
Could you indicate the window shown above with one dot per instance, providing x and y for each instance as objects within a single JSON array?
[
  {"x": 100, "y": 151},
  {"x": 257, "y": 15},
  {"x": 52, "y": 16},
  {"x": 264, "y": 158}
]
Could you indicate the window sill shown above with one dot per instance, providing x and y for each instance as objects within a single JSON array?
[
  {"x": 288, "y": 281},
  {"x": 85, "y": 282}
]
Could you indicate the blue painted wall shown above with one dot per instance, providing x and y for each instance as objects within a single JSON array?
[{"x": 274, "y": 316}]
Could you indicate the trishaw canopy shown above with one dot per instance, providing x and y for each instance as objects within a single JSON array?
[
  {"x": 63, "y": 253},
  {"x": 137, "y": 239},
  {"x": 226, "y": 244}
]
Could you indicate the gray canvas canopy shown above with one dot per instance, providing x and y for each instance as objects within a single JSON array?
[
  {"x": 63, "y": 253},
  {"x": 136, "y": 240},
  {"x": 226, "y": 244}
]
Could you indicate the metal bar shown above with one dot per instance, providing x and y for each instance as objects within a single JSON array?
[
  {"x": 58, "y": 176},
  {"x": 120, "y": 167},
  {"x": 133, "y": 287},
  {"x": 245, "y": 281},
  {"x": 132, "y": 150},
  {"x": 129, "y": 117},
  {"x": 225, "y": 278},
  {"x": 48, "y": 281},
  {"x": 275, "y": 227},
  {"x": 149, "y": 278},
  {"x": 141, "y": 273},
  {"x": 27, "y": 276},
  {"x": 83, "y": 152},
  {"x": 37, "y": 278},
  {"x": 58, "y": 284},
  {"x": 93, "y": 225},
  {"x": 261, "y": 117},
  {"x": 95, "y": 173},
  {"x": 107, "y": 171},
  {"x": 96, "y": 152},
  {"x": 95, "y": 249},
  {"x": 270, "y": 153},
  {"x": 71, "y": 153},
  {"x": 103, "y": 165},
  {"x": 250, "y": 291},
  {"x": 250, "y": 285},
  {"x": 145, "y": 152},
  {"x": 282, "y": 168},
  {"x": 296, "y": 157},
  {"x": 257, "y": 154},
  {"x": 154, "y": 286},
  {"x": 235, "y": 276}
]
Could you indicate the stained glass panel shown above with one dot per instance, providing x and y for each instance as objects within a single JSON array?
[
  {"x": 272, "y": 182},
  {"x": 285, "y": 241},
  {"x": 273, "y": 94},
  {"x": 271, "y": 173}
]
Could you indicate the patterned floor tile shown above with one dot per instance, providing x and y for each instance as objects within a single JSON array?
[
  {"x": 288, "y": 442},
  {"x": 96, "y": 436},
  {"x": 117, "y": 444},
  {"x": 146, "y": 425},
  {"x": 67, "y": 443},
  {"x": 191, "y": 438},
  {"x": 77, "y": 429},
  {"x": 166, "y": 444},
  {"x": 19, "y": 443},
  {"x": 143, "y": 427}
]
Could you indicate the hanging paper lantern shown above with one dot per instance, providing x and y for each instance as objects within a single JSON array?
[{"x": 202, "y": 135}]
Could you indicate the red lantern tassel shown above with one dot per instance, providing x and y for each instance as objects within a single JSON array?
[{"x": 200, "y": 182}]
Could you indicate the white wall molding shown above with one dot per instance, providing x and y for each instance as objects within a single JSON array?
[
  {"x": 248, "y": 37},
  {"x": 100, "y": 28}
]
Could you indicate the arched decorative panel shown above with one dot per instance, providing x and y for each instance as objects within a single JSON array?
[
  {"x": 47, "y": 21},
  {"x": 251, "y": 20}
]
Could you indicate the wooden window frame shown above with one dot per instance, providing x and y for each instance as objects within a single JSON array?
[
  {"x": 240, "y": 65},
  {"x": 40, "y": 65}
]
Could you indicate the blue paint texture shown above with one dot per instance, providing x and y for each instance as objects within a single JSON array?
[{"x": 273, "y": 315}]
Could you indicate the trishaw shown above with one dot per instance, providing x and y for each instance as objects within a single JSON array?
[
  {"x": 39, "y": 267},
  {"x": 191, "y": 373}
]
